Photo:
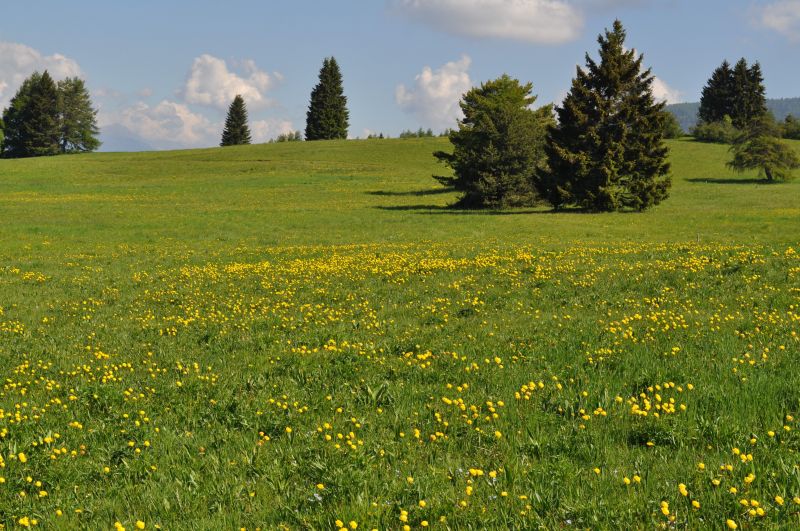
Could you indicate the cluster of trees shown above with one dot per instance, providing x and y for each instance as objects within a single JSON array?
[
  {"x": 46, "y": 117},
  {"x": 604, "y": 153},
  {"x": 733, "y": 110},
  {"x": 327, "y": 118}
]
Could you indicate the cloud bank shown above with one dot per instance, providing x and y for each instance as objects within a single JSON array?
[
  {"x": 782, "y": 17},
  {"x": 435, "y": 94},
  {"x": 535, "y": 21},
  {"x": 211, "y": 83},
  {"x": 18, "y": 61}
]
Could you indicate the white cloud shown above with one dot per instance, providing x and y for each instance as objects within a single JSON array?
[
  {"x": 263, "y": 130},
  {"x": 537, "y": 21},
  {"x": 663, "y": 92},
  {"x": 211, "y": 83},
  {"x": 782, "y": 16},
  {"x": 18, "y": 61},
  {"x": 167, "y": 125},
  {"x": 435, "y": 96}
]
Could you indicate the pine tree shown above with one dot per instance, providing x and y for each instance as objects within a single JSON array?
[
  {"x": 498, "y": 146},
  {"x": 716, "y": 101},
  {"x": 759, "y": 147},
  {"x": 607, "y": 151},
  {"x": 77, "y": 118},
  {"x": 2, "y": 134},
  {"x": 749, "y": 99},
  {"x": 31, "y": 119},
  {"x": 236, "y": 130},
  {"x": 327, "y": 117}
]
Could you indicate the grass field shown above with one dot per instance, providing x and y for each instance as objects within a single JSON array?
[{"x": 302, "y": 336}]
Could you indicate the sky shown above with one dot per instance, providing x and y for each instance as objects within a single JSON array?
[{"x": 162, "y": 73}]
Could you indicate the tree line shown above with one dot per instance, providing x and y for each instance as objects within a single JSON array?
[{"x": 48, "y": 118}]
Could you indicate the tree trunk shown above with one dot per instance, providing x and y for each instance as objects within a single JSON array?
[{"x": 768, "y": 173}]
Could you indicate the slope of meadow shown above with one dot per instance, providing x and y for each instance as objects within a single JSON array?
[{"x": 302, "y": 336}]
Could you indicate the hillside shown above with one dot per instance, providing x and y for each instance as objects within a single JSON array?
[
  {"x": 686, "y": 113},
  {"x": 304, "y": 336}
]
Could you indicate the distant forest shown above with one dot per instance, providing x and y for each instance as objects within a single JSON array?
[{"x": 686, "y": 113}]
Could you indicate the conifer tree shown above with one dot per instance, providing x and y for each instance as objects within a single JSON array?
[
  {"x": 498, "y": 146},
  {"x": 716, "y": 101},
  {"x": 607, "y": 151},
  {"x": 759, "y": 147},
  {"x": 31, "y": 119},
  {"x": 2, "y": 134},
  {"x": 77, "y": 118},
  {"x": 749, "y": 99},
  {"x": 327, "y": 117},
  {"x": 236, "y": 131}
]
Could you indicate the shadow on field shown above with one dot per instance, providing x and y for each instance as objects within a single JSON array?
[
  {"x": 455, "y": 211},
  {"x": 414, "y": 193},
  {"x": 730, "y": 181}
]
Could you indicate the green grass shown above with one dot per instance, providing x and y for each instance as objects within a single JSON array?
[{"x": 165, "y": 317}]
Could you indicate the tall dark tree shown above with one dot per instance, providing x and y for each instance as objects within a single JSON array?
[
  {"x": 716, "y": 101},
  {"x": 2, "y": 134},
  {"x": 32, "y": 119},
  {"x": 749, "y": 99},
  {"x": 498, "y": 146},
  {"x": 607, "y": 151},
  {"x": 236, "y": 131},
  {"x": 327, "y": 117},
  {"x": 77, "y": 118}
]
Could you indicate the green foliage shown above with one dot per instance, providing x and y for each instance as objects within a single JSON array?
[
  {"x": 420, "y": 133},
  {"x": 327, "y": 117},
  {"x": 672, "y": 128},
  {"x": 736, "y": 92},
  {"x": 790, "y": 128},
  {"x": 77, "y": 118},
  {"x": 717, "y": 97},
  {"x": 32, "y": 119},
  {"x": 759, "y": 147},
  {"x": 498, "y": 147},
  {"x": 607, "y": 152},
  {"x": 294, "y": 136},
  {"x": 2, "y": 134},
  {"x": 236, "y": 131},
  {"x": 721, "y": 132}
]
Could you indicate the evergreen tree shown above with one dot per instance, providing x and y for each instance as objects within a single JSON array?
[
  {"x": 759, "y": 147},
  {"x": 749, "y": 99},
  {"x": 498, "y": 146},
  {"x": 327, "y": 117},
  {"x": 716, "y": 101},
  {"x": 77, "y": 118},
  {"x": 607, "y": 151},
  {"x": 32, "y": 119},
  {"x": 2, "y": 134},
  {"x": 236, "y": 130}
]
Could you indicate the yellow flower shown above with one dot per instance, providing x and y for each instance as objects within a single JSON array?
[
  {"x": 695, "y": 504},
  {"x": 422, "y": 503},
  {"x": 353, "y": 524},
  {"x": 320, "y": 486},
  {"x": 139, "y": 524},
  {"x": 731, "y": 524},
  {"x": 779, "y": 500},
  {"x": 596, "y": 470},
  {"x": 682, "y": 490},
  {"x": 22, "y": 459}
]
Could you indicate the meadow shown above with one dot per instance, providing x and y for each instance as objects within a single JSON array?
[{"x": 304, "y": 336}]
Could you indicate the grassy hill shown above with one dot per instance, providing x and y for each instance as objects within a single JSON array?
[{"x": 303, "y": 336}]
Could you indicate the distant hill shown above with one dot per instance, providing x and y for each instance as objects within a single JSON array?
[{"x": 686, "y": 113}]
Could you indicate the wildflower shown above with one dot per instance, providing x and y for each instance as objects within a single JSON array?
[{"x": 731, "y": 524}]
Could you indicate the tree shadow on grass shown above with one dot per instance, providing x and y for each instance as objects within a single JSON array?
[
  {"x": 412, "y": 193},
  {"x": 460, "y": 211},
  {"x": 729, "y": 181}
]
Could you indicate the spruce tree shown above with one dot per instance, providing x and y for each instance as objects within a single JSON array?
[
  {"x": 327, "y": 117},
  {"x": 607, "y": 151},
  {"x": 2, "y": 134},
  {"x": 760, "y": 147},
  {"x": 236, "y": 130},
  {"x": 498, "y": 146},
  {"x": 32, "y": 120},
  {"x": 77, "y": 118},
  {"x": 749, "y": 99},
  {"x": 716, "y": 101}
]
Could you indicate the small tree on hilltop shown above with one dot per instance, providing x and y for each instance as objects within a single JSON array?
[
  {"x": 498, "y": 146},
  {"x": 236, "y": 131},
  {"x": 327, "y": 117},
  {"x": 77, "y": 118},
  {"x": 607, "y": 151},
  {"x": 759, "y": 147},
  {"x": 749, "y": 99}
]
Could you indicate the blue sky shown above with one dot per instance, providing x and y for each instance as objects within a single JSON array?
[{"x": 162, "y": 73}]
